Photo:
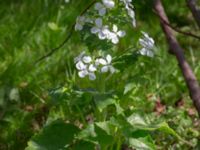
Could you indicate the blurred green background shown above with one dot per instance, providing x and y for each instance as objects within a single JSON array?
[{"x": 30, "y": 29}]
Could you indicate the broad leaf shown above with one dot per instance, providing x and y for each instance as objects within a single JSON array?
[{"x": 57, "y": 135}]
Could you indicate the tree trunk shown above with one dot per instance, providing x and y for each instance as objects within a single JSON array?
[{"x": 176, "y": 50}]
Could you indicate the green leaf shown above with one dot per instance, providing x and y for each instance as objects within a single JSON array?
[
  {"x": 139, "y": 122},
  {"x": 53, "y": 26},
  {"x": 142, "y": 143},
  {"x": 104, "y": 102},
  {"x": 97, "y": 133},
  {"x": 128, "y": 87},
  {"x": 55, "y": 136},
  {"x": 84, "y": 145}
]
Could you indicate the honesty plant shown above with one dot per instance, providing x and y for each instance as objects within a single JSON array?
[{"x": 87, "y": 66}]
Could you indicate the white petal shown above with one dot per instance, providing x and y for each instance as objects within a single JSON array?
[
  {"x": 105, "y": 30},
  {"x": 109, "y": 3},
  {"x": 78, "y": 27},
  {"x": 150, "y": 53},
  {"x": 134, "y": 23},
  {"x": 109, "y": 58},
  {"x": 97, "y": 62},
  {"x": 115, "y": 28},
  {"x": 104, "y": 69},
  {"x": 143, "y": 42},
  {"x": 98, "y": 6},
  {"x": 145, "y": 34},
  {"x": 92, "y": 76},
  {"x": 146, "y": 52},
  {"x": 82, "y": 73},
  {"x": 92, "y": 68},
  {"x": 102, "y": 61},
  {"x": 94, "y": 30},
  {"x": 131, "y": 13},
  {"x": 87, "y": 59},
  {"x": 102, "y": 11},
  {"x": 81, "y": 19},
  {"x": 80, "y": 65},
  {"x": 121, "y": 33},
  {"x": 111, "y": 35},
  {"x": 98, "y": 22},
  {"x": 115, "y": 40},
  {"x": 101, "y": 35},
  {"x": 146, "y": 42},
  {"x": 112, "y": 69}
]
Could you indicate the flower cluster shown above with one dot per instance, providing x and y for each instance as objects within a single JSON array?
[
  {"x": 102, "y": 31},
  {"x": 147, "y": 44},
  {"x": 129, "y": 7},
  {"x": 87, "y": 66}
]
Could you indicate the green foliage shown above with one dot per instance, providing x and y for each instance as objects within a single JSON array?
[
  {"x": 57, "y": 135},
  {"x": 46, "y": 106}
]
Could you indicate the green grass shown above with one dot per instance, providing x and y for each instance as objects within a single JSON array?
[{"x": 51, "y": 89}]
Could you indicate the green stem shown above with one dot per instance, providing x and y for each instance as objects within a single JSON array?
[
  {"x": 118, "y": 144},
  {"x": 81, "y": 115}
]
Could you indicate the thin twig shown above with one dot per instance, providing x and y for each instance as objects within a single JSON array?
[
  {"x": 57, "y": 48},
  {"x": 52, "y": 51},
  {"x": 178, "y": 30}
]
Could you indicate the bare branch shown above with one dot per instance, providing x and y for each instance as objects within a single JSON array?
[
  {"x": 176, "y": 49},
  {"x": 192, "y": 4},
  {"x": 179, "y": 30}
]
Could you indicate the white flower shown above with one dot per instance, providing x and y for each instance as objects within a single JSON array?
[
  {"x": 109, "y": 3},
  {"x": 82, "y": 73},
  {"x": 131, "y": 13},
  {"x": 118, "y": 32},
  {"x": 80, "y": 65},
  {"x": 87, "y": 59},
  {"x": 148, "y": 44},
  {"x": 127, "y": 3},
  {"x": 80, "y": 22},
  {"x": 102, "y": 7},
  {"x": 92, "y": 68},
  {"x": 129, "y": 7},
  {"x": 88, "y": 72},
  {"x": 146, "y": 41},
  {"x": 106, "y": 63},
  {"x": 100, "y": 29},
  {"x": 99, "y": 61},
  {"x": 92, "y": 76},
  {"x": 146, "y": 52},
  {"x": 114, "y": 36},
  {"x": 84, "y": 67}
]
